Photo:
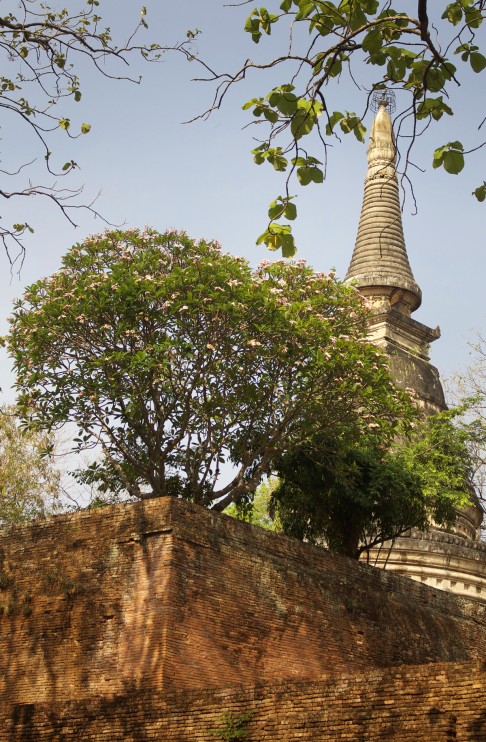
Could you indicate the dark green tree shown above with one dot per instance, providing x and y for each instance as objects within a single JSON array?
[{"x": 354, "y": 497}]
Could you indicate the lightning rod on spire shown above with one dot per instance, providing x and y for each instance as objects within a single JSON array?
[{"x": 383, "y": 98}]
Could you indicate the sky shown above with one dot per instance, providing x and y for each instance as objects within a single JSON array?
[{"x": 152, "y": 169}]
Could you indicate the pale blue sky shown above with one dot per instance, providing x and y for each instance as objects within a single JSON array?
[{"x": 154, "y": 170}]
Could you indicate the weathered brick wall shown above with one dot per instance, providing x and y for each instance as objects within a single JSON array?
[
  {"x": 426, "y": 703},
  {"x": 164, "y": 595}
]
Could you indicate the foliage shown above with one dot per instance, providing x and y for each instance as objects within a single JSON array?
[
  {"x": 29, "y": 481},
  {"x": 234, "y": 727},
  {"x": 356, "y": 497},
  {"x": 258, "y": 511},
  {"x": 175, "y": 358},
  {"x": 468, "y": 392},
  {"x": 372, "y": 45},
  {"x": 47, "y": 47}
]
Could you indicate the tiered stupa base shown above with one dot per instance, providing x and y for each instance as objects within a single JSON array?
[{"x": 437, "y": 558}]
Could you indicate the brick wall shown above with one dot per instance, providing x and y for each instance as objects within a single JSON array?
[
  {"x": 164, "y": 595},
  {"x": 426, "y": 703}
]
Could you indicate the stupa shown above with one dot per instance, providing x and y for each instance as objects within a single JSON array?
[{"x": 450, "y": 559}]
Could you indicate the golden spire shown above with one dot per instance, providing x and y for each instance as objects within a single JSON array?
[{"x": 379, "y": 266}]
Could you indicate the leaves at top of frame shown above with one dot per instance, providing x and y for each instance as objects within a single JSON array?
[
  {"x": 46, "y": 43},
  {"x": 409, "y": 54}
]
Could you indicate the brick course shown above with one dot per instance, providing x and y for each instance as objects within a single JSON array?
[{"x": 426, "y": 703}]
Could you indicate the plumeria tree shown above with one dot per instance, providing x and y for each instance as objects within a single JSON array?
[{"x": 175, "y": 358}]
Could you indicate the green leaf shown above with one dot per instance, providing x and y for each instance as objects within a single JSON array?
[
  {"x": 333, "y": 120},
  {"x": 276, "y": 210},
  {"x": 305, "y": 9},
  {"x": 260, "y": 154},
  {"x": 286, "y": 5},
  {"x": 334, "y": 68},
  {"x": 299, "y": 161},
  {"x": 370, "y": 6},
  {"x": 351, "y": 122},
  {"x": 288, "y": 245},
  {"x": 302, "y": 123},
  {"x": 478, "y": 61},
  {"x": 276, "y": 159},
  {"x": 453, "y": 13},
  {"x": 373, "y": 41},
  {"x": 304, "y": 175},
  {"x": 309, "y": 173},
  {"x": 480, "y": 192},
  {"x": 474, "y": 17},
  {"x": 434, "y": 79},
  {"x": 290, "y": 211},
  {"x": 270, "y": 115},
  {"x": 453, "y": 161},
  {"x": 85, "y": 128},
  {"x": 286, "y": 103},
  {"x": 434, "y": 107},
  {"x": 251, "y": 103},
  {"x": 252, "y": 24},
  {"x": 324, "y": 24}
]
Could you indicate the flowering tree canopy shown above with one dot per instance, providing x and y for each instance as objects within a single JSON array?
[{"x": 176, "y": 358}]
